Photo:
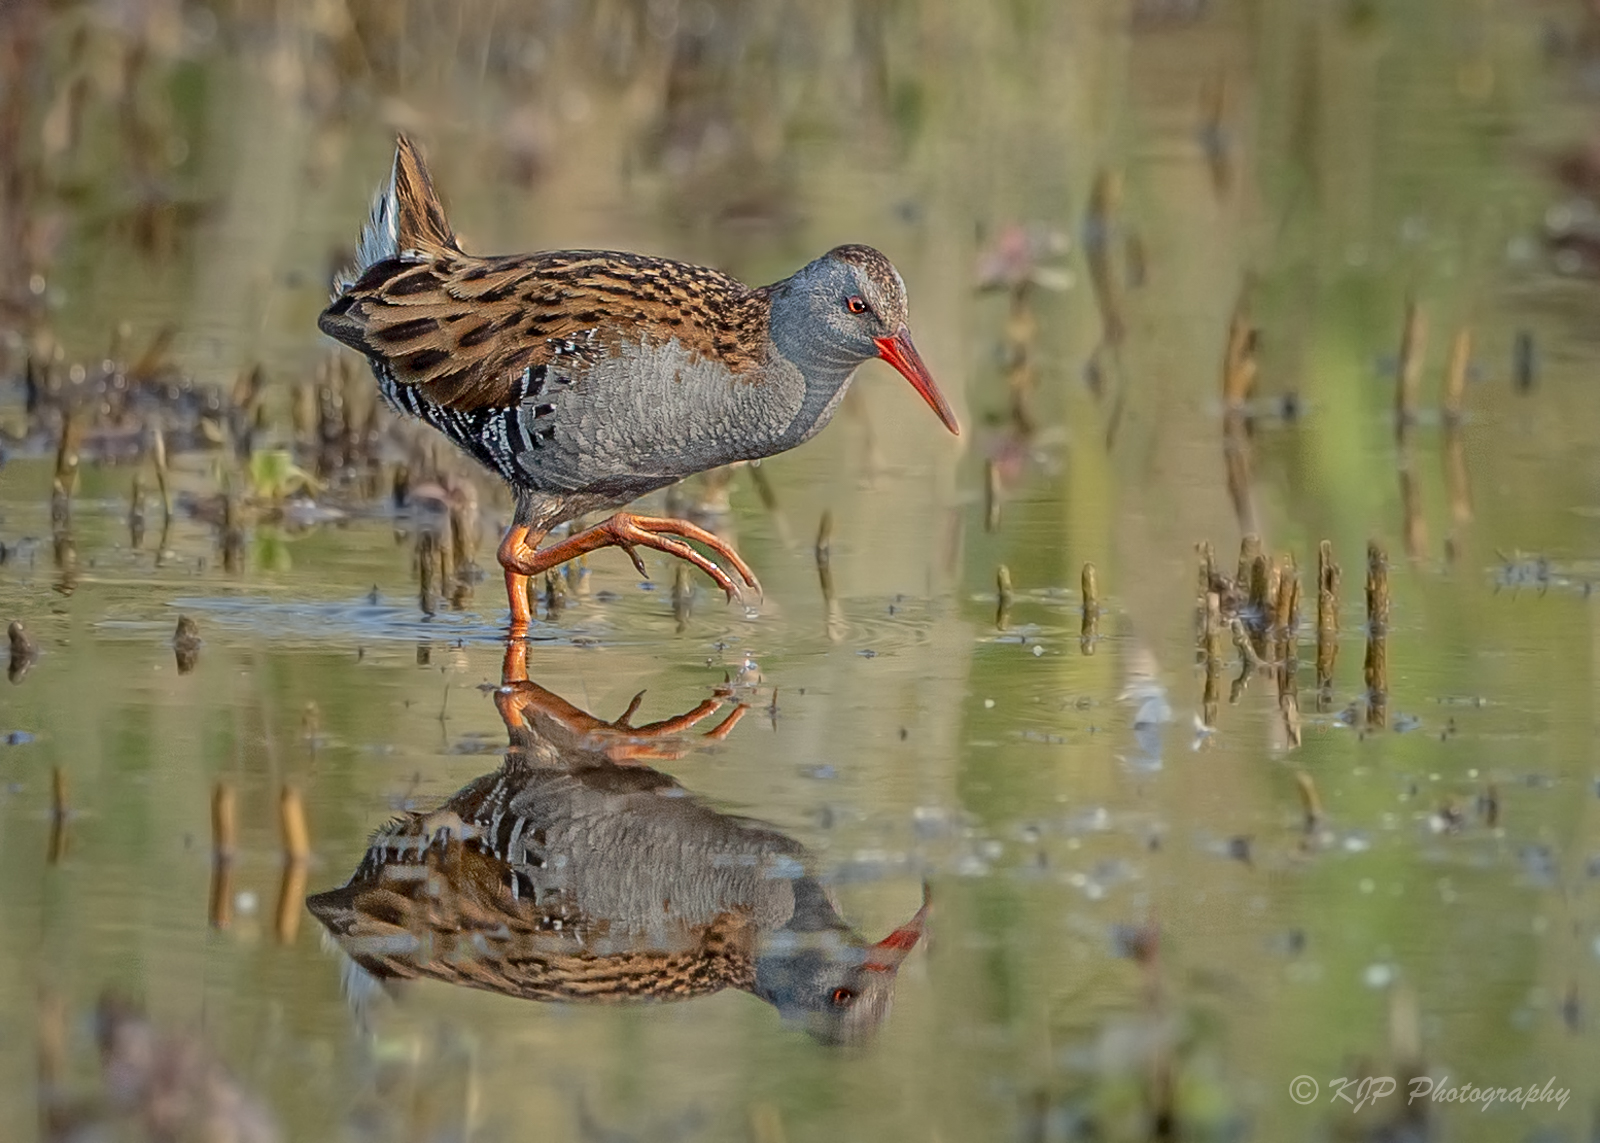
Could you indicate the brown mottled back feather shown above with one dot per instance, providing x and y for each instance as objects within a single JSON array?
[
  {"x": 467, "y": 928},
  {"x": 463, "y": 328}
]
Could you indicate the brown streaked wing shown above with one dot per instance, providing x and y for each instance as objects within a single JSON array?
[{"x": 464, "y": 329}]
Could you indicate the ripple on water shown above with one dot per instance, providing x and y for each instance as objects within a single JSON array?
[{"x": 362, "y": 619}]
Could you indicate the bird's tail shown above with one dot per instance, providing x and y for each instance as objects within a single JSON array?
[{"x": 407, "y": 219}]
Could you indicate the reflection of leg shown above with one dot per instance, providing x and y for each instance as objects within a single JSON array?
[
  {"x": 518, "y": 696},
  {"x": 514, "y": 669},
  {"x": 627, "y": 531}
]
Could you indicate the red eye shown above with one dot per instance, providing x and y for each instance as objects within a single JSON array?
[
  {"x": 843, "y": 996},
  {"x": 856, "y": 305}
]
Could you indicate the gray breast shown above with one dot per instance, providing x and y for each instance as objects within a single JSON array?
[{"x": 641, "y": 416}]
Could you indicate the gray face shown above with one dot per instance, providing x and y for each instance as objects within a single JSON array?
[
  {"x": 830, "y": 314},
  {"x": 828, "y": 991}
]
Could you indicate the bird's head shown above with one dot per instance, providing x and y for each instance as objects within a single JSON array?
[
  {"x": 845, "y": 308},
  {"x": 836, "y": 988}
]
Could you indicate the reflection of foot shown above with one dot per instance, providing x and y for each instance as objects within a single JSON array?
[{"x": 519, "y": 700}]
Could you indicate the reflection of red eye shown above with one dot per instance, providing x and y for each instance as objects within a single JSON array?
[
  {"x": 856, "y": 305},
  {"x": 843, "y": 996}
]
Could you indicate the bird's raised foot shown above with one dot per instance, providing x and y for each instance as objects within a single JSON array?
[{"x": 626, "y": 531}]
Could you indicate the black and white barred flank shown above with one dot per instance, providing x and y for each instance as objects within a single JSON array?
[{"x": 494, "y": 437}]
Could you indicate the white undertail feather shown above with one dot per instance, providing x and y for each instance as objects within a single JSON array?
[
  {"x": 380, "y": 237},
  {"x": 407, "y": 220}
]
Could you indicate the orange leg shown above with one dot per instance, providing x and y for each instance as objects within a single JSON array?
[
  {"x": 516, "y": 550},
  {"x": 522, "y": 559}
]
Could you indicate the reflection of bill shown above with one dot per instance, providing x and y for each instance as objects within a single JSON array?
[{"x": 576, "y": 873}]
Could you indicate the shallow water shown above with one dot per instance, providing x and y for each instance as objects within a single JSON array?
[{"x": 1132, "y": 930}]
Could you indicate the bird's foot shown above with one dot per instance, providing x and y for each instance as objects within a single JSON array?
[{"x": 625, "y": 531}]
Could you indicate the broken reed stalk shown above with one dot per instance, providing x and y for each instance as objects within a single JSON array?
[
  {"x": 1310, "y": 804},
  {"x": 158, "y": 455},
  {"x": 1022, "y": 330},
  {"x": 66, "y": 473},
  {"x": 1090, "y": 631},
  {"x": 555, "y": 592},
  {"x": 291, "y": 902},
  {"x": 224, "y": 834},
  {"x": 1002, "y": 583},
  {"x": 224, "y": 822},
  {"x": 576, "y": 574},
  {"x": 1258, "y": 603},
  {"x": 428, "y": 558},
  {"x": 136, "y": 512},
  {"x": 292, "y": 823},
  {"x": 1414, "y": 524},
  {"x": 1249, "y": 549},
  {"x": 1237, "y": 464},
  {"x": 1327, "y": 618},
  {"x": 60, "y": 510},
  {"x": 1206, "y": 567},
  {"x": 682, "y": 596},
  {"x": 296, "y": 855},
  {"x": 303, "y": 411},
  {"x": 1100, "y": 224},
  {"x": 1458, "y": 487},
  {"x": 186, "y": 643},
  {"x": 1376, "y": 670},
  {"x": 60, "y": 811},
  {"x": 1243, "y": 640},
  {"x": 1284, "y": 642},
  {"x": 232, "y": 530},
  {"x": 1413, "y": 344},
  {"x": 50, "y": 1036},
  {"x": 1455, "y": 375},
  {"x": 1524, "y": 362},
  {"x": 1239, "y": 360},
  {"x": 1289, "y": 704},
  {"x": 460, "y": 541},
  {"x": 764, "y": 489},
  {"x": 824, "y": 554},
  {"x": 1214, "y": 648},
  {"x": 991, "y": 494},
  {"x": 1286, "y": 602}
]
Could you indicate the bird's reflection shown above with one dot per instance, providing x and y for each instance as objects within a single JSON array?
[{"x": 575, "y": 872}]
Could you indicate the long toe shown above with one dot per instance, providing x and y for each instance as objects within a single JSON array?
[
  {"x": 660, "y": 532},
  {"x": 675, "y": 527}
]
